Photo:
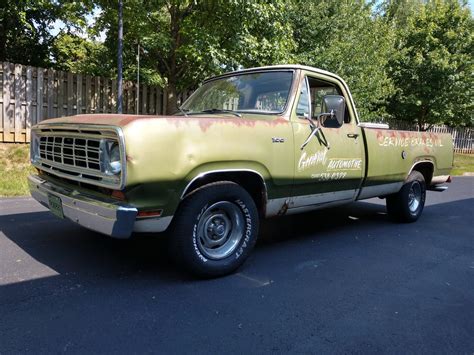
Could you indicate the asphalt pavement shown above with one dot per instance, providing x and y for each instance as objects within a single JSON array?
[{"x": 344, "y": 280}]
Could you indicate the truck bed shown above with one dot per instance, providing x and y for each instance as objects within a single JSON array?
[{"x": 392, "y": 154}]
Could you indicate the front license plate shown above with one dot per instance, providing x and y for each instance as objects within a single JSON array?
[{"x": 56, "y": 206}]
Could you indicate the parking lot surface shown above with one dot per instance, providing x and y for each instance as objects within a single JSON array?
[{"x": 344, "y": 280}]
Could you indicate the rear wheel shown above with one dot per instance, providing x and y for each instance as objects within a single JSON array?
[
  {"x": 407, "y": 204},
  {"x": 215, "y": 229}
]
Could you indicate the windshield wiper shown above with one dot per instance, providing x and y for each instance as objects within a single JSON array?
[
  {"x": 183, "y": 111},
  {"x": 218, "y": 110}
]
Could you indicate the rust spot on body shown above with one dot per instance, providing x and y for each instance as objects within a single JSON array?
[{"x": 284, "y": 208}]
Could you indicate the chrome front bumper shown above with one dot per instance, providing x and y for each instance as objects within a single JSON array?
[{"x": 111, "y": 218}]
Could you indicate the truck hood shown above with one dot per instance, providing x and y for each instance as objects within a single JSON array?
[
  {"x": 204, "y": 121},
  {"x": 103, "y": 119}
]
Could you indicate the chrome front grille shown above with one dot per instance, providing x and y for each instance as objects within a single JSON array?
[
  {"x": 71, "y": 151},
  {"x": 78, "y": 153}
]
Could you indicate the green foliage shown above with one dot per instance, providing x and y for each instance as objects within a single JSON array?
[
  {"x": 22, "y": 39},
  {"x": 339, "y": 36},
  {"x": 135, "y": 17},
  {"x": 187, "y": 41},
  {"x": 234, "y": 34},
  {"x": 78, "y": 55},
  {"x": 25, "y": 26},
  {"x": 433, "y": 71},
  {"x": 403, "y": 59}
]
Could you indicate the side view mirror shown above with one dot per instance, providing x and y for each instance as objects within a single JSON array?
[
  {"x": 334, "y": 106},
  {"x": 334, "y": 109}
]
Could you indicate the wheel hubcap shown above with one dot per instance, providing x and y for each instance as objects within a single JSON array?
[
  {"x": 220, "y": 229},
  {"x": 414, "y": 197}
]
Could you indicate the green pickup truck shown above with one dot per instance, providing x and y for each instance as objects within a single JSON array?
[{"x": 246, "y": 145}]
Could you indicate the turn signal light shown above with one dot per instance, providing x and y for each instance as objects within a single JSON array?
[
  {"x": 118, "y": 195},
  {"x": 146, "y": 214}
]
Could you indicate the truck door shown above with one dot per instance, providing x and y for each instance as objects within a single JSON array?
[{"x": 330, "y": 167}]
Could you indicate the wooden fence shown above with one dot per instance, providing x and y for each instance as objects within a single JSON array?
[{"x": 29, "y": 95}]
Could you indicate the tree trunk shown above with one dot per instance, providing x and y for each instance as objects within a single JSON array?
[
  {"x": 119, "y": 58},
  {"x": 422, "y": 119},
  {"x": 171, "y": 97}
]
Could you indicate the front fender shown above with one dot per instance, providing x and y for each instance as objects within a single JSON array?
[{"x": 225, "y": 167}]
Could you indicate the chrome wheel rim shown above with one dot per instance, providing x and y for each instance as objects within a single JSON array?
[
  {"x": 414, "y": 197},
  {"x": 220, "y": 229}
]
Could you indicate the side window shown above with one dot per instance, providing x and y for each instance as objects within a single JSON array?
[
  {"x": 317, "y": 95},
  {"x": 303, "y": 107},
  {"x": 318, "y": 90}
]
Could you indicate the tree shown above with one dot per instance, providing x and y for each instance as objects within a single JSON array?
[
  {"x": 352, "y": 40},
  {"x": 433, "y": 71},
  {"x": 120, "y": 58},
  {"x": 71, "y": 52},
  {"x": 25, "y": 26},
  {"x": 186, "y": 41}
]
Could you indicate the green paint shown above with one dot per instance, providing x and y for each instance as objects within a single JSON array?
[{"x": 166, "y": 153}]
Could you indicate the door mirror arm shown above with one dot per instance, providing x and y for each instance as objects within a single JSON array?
[
  {"x": 312, "y": 124},
  {"x": 314, "y": 130},
  {"x": 316, "y": 126}
]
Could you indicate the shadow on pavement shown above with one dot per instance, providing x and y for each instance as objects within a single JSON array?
[
  {"x": 70, "y": 249},
  {"x": 338, "y": 280}
]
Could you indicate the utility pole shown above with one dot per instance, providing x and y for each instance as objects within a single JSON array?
[
  {"x": 138, "y": 75},
  {"x": 119, "y": 58}
]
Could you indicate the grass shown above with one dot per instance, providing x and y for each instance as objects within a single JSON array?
[
  {"x": 15, "y": 167},
  {"x": 463, "y": 163}
]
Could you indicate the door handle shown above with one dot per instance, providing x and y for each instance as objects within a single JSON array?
[{"x": 353, "y": 135}]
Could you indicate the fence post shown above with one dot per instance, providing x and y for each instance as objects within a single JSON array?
[
  {"x": 113, "y": 97},
  {"x": 50, "y": 94},
  {"x": 39, "y": 96},
  {"x": 105, "y": 85},
  {"x": 151, "y": 108},
  {"x": 29, "y": 102},
  {"x": 164, "y": 101},
  {"x": 70, "y": 94},
  {"x": 79, "y": 94},
  {"x": 8, "y": 113},
  {"x": 88, "y": 94},
  {"x": 97, "y": 95},
  {"x": 60, "y": 110},
  {"x": 144, "y": 100}
]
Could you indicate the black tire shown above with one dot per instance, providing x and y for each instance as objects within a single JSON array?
[
  {"x": 214, "y": 229},
  {"x": 407, "y": 204}
]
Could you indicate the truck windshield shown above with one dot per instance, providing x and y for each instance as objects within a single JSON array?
[{"x": 263, "y": 92}]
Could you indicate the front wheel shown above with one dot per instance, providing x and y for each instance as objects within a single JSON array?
[
  {"x": 215, "y": 229},
  {"x": 407, "y": 204}
]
